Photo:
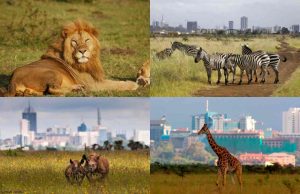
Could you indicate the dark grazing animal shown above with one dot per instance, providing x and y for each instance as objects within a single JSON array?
[
  {"x": 75, "y": 172},
  {"x": 95, "y": 166}
]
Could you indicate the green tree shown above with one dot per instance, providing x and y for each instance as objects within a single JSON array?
[{"x": 197, "y": 152}]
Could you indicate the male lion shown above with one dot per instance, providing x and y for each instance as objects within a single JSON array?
[{"x": 72, "y": 62}]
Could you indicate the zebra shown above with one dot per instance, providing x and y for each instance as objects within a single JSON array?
[
  {"x": 164, "y": 54},
  {"x": 274, "y": 60},
  {"x": 214, "y": 62},
  {"x": 189, "y": 50},
  {"x": 249, "y": 63}
]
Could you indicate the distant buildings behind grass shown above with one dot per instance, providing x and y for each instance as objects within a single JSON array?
[
  {"x": 192, "y": 28},
  {"x": 240, "y": 136},
  {"x": 65, "y": 138}
]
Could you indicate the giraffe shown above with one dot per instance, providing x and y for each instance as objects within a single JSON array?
[{"x": 226, "y": 161}]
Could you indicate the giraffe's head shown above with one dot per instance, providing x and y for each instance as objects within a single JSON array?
[{"x": 203, "y": 130}]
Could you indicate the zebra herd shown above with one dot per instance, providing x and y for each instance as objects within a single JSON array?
[{"x": 248, "y": 61}]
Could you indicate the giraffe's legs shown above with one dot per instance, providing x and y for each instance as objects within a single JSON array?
[
  {"x": 219, "y": 177},
  {"x": 239, "y": 176},
  {"x": 224, "y": 172}
]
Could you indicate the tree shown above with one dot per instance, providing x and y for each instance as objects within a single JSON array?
[
  {"x": 197, "y": 152},
  {"x": 284, "y": 30},
  {"x": 135, "y": 145},
  {"x": 107, "y": 145},
  {"x": 118, "y": 145}
]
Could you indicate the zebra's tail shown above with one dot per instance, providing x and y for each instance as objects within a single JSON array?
[{"x": 283, "y": 59}]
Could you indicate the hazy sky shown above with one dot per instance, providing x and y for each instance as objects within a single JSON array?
[
  {"x": 212, "y": 13},
  {"x": 118, "y": 114},
  {"x": 179, "y": 111}
]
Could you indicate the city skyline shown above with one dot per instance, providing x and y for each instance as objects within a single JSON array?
[
  {"x": 213, "y": 13},
  {"x": 118, "y": 114},
  {"x": 179, "y": 111}
]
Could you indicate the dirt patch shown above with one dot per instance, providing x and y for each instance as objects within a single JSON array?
[
  {"x": 98, "y": 15},
  {"x": 256, "y": 89},
  {"x": 72, "y": 10},
  {"x": 118, "y": 51}
]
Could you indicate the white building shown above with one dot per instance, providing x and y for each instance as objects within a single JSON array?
[
  {"x": 142, "y": 136},
  {"x": 247, "y": 123},
  {"x": 291, "y": 121},
  {"x": 244, "y": 23},
  {"x": 27, "y": 136},
  {"x": 218, "y": 122}
]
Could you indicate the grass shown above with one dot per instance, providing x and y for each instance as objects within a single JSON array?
[
  {"x": 291, "y": 87},
  {"x": 43, "y": 172},
  {"x": 203, "y": 184},
  {"x": 180, "y": 76},
  {"x": 28, "y": 27},
  {"x": 293, "y": 41}
]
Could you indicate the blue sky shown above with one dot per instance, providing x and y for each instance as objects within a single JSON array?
[
  {"x": 179, "y": 110},
  {"x": 119, "y": 114},
  {"x": 212, "y": 13}
]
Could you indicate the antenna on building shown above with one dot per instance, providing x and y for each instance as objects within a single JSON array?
[
  {"x": 98, "y": 116},
  {"x": 206, "y": 106}
]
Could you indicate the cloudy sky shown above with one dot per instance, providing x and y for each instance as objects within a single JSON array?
[
  {"x": 118, "y": 114},
  {"x": 212, "y": 13},
  {"x": 179, "y": 111}
]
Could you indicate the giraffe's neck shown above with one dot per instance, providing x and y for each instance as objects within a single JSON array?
[{"x": 214, "y": 146}]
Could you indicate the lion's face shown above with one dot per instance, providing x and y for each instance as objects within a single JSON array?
[{"x": 81, "y": 46}]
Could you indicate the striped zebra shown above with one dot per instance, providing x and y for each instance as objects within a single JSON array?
[
  {"x": 164, "y": 54},
  {"x": 250, "y": 63},
  {"x": 274, "y": 60},
  {"x": 189, "y": 50},
  {"x": 214, "y": 62}
]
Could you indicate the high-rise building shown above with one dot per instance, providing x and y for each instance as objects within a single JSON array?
[
  {"x": 158, "y": 128},
  {"x": 247, "y": 123},
  {"x": 24, "y": 128},
  {"x": 291, "y": 121},
  {"x": 191, "y": 26},
  {"x": 230, "y": 25},
  {"x": 30, "y": 115},
  {"x": 244, "y": 23},
  {"x": 295, "y": 28}
]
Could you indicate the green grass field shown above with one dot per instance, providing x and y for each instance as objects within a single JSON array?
[
  {"x": 28, "y": 27},
  {"x": 206, "y": 184},
  {"x": 43, "y": 172},
  {"x": 180, "y": 76}
]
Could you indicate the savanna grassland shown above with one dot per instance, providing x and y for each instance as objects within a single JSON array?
[
  {"x": 43, "y": 172},
  {"x": 27, "y": 27},
  {"x": 162, "y": 183},
  {"x": 180, "y": 76}
]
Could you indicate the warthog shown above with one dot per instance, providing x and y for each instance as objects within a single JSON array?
[
  {"x": 75, "y": 172},
  {"x": 96, "y": 166}
]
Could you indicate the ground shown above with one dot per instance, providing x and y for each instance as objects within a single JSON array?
[
  {"x": 29, "y": 26},
  {"x": 43, "y": 172},
  {"x": 205, "y": 183},
  {"x": 180, "y": 76}
]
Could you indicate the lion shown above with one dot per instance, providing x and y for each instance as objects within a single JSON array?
[
  {"x": 143, "y": 75},
  {"x": 72, "y": 62}
]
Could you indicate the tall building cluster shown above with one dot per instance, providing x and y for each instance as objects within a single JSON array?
[{"x": 64, "y": 137}]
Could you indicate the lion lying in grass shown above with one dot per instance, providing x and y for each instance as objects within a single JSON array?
[
  {"x": 143, "y": 76},
  {"x": 71, "y": 63}
]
